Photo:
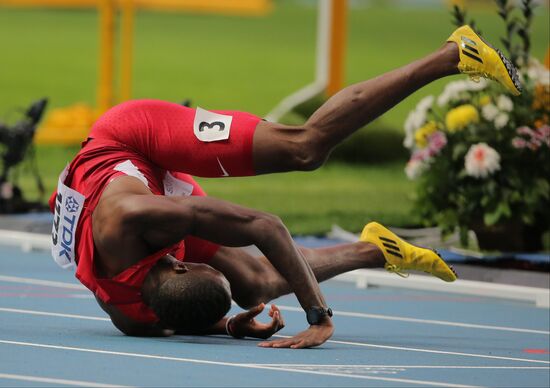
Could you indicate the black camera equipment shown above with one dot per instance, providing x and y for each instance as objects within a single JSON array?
[{"x": 15, "y": 146}]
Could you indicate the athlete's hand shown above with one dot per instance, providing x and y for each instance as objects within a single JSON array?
[
  {"x": 314, "y": 336},
  {"x": 245, "y": 324}
]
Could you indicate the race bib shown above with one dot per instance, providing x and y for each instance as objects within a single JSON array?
[
  {"x": 209, "y": 126},
  {"x": 175, "y": 187},
  {"x": 68, "y": 206}
]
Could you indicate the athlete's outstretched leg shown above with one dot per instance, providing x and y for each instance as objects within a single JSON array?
[
  {"x": 280, "y": 148},
  {"x": 254, "y": 280}
]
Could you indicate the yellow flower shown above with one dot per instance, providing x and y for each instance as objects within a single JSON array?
[
  {"x": 421, "y": 135},
  {"x": 459, "y": 117},
  {"x": 484, "y": 100}
]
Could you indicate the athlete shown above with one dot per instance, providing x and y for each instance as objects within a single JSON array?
[{"x": 163, "y": 258}]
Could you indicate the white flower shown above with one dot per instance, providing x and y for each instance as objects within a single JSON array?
[
  {"x": 413, "y": 122},
  {"x": 481, "y": 161},
  {"x": 425, "y": 104},
  {"x": 489, "y": 112},
  {"x": 501, "y": 120},
  {"x": 6, "y": 190},
  {"x": 451, "y": 91},
  {"x": 477, "y": 86},
  {"x": 416, "y": 119},
  {"x": 504, "y": 103},
  {"x": 415, "y": 168},
  {"x": 454, "y": 89},
  {"x": 538, "y": 72}
]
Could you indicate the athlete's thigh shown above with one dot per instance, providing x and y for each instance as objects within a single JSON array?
[
  {"x": 174, "y": 137},
  {"x": 276, "y": 147}
]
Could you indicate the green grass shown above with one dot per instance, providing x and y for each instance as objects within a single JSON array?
[
  {"x": 238, "y": 63},
  {"x": 336, "y": 194}
]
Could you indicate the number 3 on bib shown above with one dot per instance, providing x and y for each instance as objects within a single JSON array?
[{"x": 209, "y": 126}]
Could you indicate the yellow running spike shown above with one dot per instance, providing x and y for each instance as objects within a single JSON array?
[
  {"x": 479, "y": 59},
  {"x": 400, "y": 255}
]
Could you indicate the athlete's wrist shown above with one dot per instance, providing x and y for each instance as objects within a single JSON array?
[{"x": 229, "y": 327}]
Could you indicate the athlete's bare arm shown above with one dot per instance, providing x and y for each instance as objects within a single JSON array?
[
  {"x": 243, "y": 324},
  {"x": 129, "y": 223}
]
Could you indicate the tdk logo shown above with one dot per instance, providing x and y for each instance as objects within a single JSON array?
[
  {"x": 68, "y": 206},
  {"x": 67, "y": 234},
  {"x": 71, "y": 205},
  {"x": 64, "y": 225}
]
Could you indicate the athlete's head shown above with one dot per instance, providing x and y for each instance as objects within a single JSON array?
[{"x": 186, "y": 295}]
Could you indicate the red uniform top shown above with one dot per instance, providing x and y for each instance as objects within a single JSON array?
[
  {"x": 156, "y": 142},
  {"x": 91, "y": 170}
]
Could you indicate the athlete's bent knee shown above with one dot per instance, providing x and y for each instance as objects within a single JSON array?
[{"x": 309, "y": 154}]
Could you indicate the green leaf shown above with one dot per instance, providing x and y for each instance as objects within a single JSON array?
[
  {"x": 502, "y": 211},
  {"x": 459, "y": 151},
  {"x": 485, "y": 200},
  {"x": 542, "y": 187},
  {"x": 491, "y": 218}
]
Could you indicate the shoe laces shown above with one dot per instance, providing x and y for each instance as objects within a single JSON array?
[
  {"x": 476, "y": 75},
  {"x": 397, "y": 270}
]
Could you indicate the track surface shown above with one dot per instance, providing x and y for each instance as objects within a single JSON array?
[{"x": 54, "y": 334}]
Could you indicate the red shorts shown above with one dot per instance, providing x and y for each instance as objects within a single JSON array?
[{"x": 176, "y": 138}]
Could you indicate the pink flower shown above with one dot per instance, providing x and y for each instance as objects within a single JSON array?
[
  {"x": 534, "y": 144},
  {"x": 436, "y": 142},
  {"x": 544, "y": 130},
  {"x": 421, "y": 155},
  {"x": 543, "y": 134},
  {"x": 525, "y": 130},
  {"x": 519, "y": 143},
  {"x": 415, "y": 168},
  {"x": 536, "y": 138}
]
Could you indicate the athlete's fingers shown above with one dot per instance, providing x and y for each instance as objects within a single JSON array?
[
  {"x": 250, "y": 314},
  {"x": 284, "y": 343},
  {"x": 299, "y": 345},
  {"x": 274, "y": 308},
  {"x": 281, "y": 321},
  {"x": 276, "y": 322}
]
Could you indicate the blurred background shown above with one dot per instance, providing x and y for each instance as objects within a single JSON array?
[{"x": 244, "y": 55}]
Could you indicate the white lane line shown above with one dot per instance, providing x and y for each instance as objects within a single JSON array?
[
  {"x": 358, "y": 366},
  {"x": 425, "y": 321},
  {"x": 428, "y": 351},
  {"x": 297, "y": 309},
  {"x": 44, "y": 313},
  {"x": 40, "y": 282},
  {"x": 230, "y": 364},
  {"x": 48, "y": 380}
]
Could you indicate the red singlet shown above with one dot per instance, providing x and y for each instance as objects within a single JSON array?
[{"x": 158, "y": 143}]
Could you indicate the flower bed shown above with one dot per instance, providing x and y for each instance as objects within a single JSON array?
[{"x": 482, "y": 158}]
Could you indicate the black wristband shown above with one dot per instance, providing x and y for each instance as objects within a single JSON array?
[{"x": 315, "y": 314}]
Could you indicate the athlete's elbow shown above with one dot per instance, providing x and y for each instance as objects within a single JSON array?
[
  {"x": 128, "y": 211},
  {"x": 269, "y": 227}
]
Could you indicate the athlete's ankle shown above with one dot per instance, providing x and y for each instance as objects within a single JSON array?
[
  {"x": 450, "y": 57},
  {"x": 371, "y": 255}
]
